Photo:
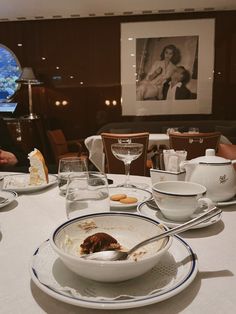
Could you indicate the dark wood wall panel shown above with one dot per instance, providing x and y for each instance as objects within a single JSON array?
[{"x": 87, "y": 52}]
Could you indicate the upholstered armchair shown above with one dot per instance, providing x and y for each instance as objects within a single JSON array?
[{"x": 61, "y": 147}]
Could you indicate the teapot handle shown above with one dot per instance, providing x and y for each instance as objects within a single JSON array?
[{"x": 183, "y": 164}]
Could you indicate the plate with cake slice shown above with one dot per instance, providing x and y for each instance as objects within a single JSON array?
[
  {"x": 37, "y": 178},
  {"x": 21, "y": 183}
]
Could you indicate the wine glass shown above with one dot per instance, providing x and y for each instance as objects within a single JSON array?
[
  {"x": 87, "y": 193},
  {"x": 127, "y": 152},
  {"x": 66, "y": 167}
]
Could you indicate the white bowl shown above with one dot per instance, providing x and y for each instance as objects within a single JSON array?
[{"x": 127, "y": 229}]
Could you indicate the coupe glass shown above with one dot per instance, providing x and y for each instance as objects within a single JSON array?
[
  {"x": 87, "y": 193},
  {"x": 127, "y": 152}
]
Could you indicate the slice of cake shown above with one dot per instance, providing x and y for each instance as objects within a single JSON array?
[{"x": 38, "y": 169}]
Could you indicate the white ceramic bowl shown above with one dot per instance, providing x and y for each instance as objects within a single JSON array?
[{"x": 127, "y": 229}]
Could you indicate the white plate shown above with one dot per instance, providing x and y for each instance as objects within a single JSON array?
[
  {"x": 19, "y": 183},
  {"x": 176, "y": 270},
  {"x": 9, "y": 195},
  {"x": 144, "y": 210},
  {"x": 227, "y": 203},
  {"x": 141, "y": 195}
]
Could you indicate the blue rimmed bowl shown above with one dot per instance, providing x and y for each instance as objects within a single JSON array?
[{"x": 127, "y": 229}]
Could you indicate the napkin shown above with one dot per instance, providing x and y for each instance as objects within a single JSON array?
[{"x": 172, "y": 159}]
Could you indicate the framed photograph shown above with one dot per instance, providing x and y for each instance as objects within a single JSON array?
[{"x": 167, "y": 67}]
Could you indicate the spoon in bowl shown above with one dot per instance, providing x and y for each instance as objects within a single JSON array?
[{"x": 121, "y": 255}]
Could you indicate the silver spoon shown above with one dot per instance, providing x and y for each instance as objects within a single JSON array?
[{"x": 119, "y": 255}]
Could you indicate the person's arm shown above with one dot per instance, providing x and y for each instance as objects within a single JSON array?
[
  {"x": 8, "y": 146},
  {"x": 155, "y": 70},
  {"x": 7, "y": 158}
]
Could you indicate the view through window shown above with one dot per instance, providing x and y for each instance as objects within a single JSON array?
[{"x": 9, "y": 72}]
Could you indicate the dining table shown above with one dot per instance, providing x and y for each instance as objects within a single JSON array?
[
  {"x": 97, "y": 157},
  {"x": 29, "y": 220}
]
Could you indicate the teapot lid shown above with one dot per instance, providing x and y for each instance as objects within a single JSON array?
[{"x": 211, "y": 158}]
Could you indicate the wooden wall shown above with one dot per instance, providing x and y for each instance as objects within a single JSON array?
[{"x": 88, "y": 50}]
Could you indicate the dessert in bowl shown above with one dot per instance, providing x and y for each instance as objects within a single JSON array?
[{"x": 102, "y": 231}]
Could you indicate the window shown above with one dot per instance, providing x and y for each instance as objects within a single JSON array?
[{"x": 10, "y": 71}]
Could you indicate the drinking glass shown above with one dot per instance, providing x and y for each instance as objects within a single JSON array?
[
  {"x": 87, "y": 193},
  {"x": 68, "y": 166},
  {"x": 127, "y": 152},
  {"x": 193, "y": 130},
  {"x": 172, "y": 130}
]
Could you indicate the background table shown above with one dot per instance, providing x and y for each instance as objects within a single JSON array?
[
  {"x": 97, "y": 157},
  {"x": 27, "y": 222}
]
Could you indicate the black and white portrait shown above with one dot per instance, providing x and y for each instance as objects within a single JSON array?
[{"x": 166, "y": 68}]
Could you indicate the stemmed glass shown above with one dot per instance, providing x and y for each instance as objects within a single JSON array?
[{"x": 127, "y": 151}]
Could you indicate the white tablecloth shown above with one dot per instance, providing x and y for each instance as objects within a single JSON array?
[
  {"x": 29, "y": 221},
  {"x": 95, "y": 147}
]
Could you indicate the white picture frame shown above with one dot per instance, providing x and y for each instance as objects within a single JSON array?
[{"x": 195, "y": 42}]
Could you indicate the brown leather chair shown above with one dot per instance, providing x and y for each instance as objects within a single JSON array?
[
  {"x": 194, "y": 143},
  {"x": 61, "y": 147},
  {"x": 227, "y": 151},
  {"x": 113, "y": 165}
]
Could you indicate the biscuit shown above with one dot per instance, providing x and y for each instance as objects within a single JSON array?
[
  {"x": 128, "y": 200},
  {"x": 117, "y": 197}
]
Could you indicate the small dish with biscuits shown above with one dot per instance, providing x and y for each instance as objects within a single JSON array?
[{"x": 121, "y": 197}]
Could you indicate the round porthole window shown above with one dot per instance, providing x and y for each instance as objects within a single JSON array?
[{"x": 10, "y": 71}]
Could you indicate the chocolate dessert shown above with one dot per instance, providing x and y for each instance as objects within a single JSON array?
[{"x": 99, "y": 242}]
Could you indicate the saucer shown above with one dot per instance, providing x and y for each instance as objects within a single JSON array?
[
  {"x": 156, "y": 214},
  {"x": 232, "y": 201},
  {"x": 9, "y": 195},
  {"x": 175, "y": 271},
  {"x": 140, "y": 194}
]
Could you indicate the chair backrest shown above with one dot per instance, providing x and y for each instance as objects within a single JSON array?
[
  {"x": 113, "y": 165},
  {"x": 58, "y": 142},
  {"x": 195, "y": 144}
]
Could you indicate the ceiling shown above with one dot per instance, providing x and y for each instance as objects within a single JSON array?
[{"x": 15, "y": 10}]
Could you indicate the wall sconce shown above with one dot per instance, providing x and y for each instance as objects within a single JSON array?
[{"x": 28, "y": 78}]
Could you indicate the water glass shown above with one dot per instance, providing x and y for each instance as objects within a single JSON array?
[
  {"x": 87, "y": 193},
  {"x": 172, "y": 130},
  {"x": 193, "y": 130},
  {"x": 67, "y": 166}
]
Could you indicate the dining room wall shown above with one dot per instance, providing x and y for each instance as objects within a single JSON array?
[{"x": 78, "y": 61}]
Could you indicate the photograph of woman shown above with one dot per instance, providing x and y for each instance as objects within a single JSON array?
[
  {"x": 156, "y": 62},
  {"x": 151, "y": 86}
]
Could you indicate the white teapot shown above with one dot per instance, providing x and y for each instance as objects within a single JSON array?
[{"x": 217, "y": 174}]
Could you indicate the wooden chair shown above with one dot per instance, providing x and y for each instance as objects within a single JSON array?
[
  {"x": 62, "y": 147},
  {"x": 194, "y": 143},
  {"x": 113, "y": 165}
]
